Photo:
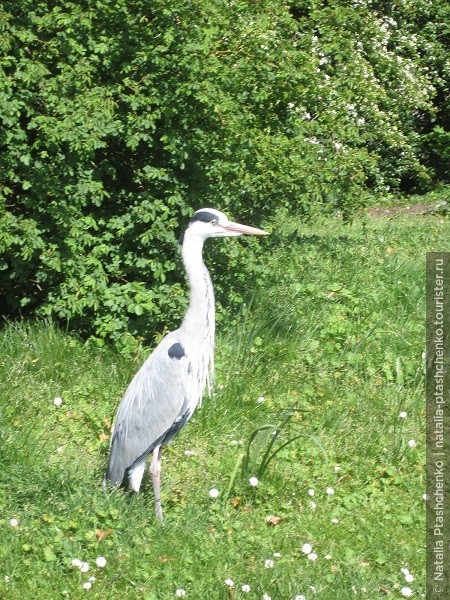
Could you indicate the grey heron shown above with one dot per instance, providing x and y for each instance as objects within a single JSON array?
[{"x": 165, "y": 391}]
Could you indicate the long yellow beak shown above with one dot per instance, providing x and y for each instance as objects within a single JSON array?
[{"x": 244, "y": 229}]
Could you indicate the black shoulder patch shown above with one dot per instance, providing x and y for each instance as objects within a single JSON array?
[
  {"x": 203, "y": 215},
  {"x": 176, "y": 351}
]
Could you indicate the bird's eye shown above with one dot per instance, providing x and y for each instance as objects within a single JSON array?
[{"x": 214, "y": 222}]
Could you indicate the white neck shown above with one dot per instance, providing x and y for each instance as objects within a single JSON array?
[{"x": 201, "y": 313}]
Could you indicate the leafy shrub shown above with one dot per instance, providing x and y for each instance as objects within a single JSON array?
[{"x": 120, "y": 119}]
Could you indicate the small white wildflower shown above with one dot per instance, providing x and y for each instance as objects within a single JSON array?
[
  {"x": 59, "y": 449},
  {"x": 405, "y": 571},
  {"x": 253, "y": 481},
  {"x": 245, "y": 587},
  {"x": 100, "y": 561},
  {"x": 234, "y": 443},
  {"x": 6, "y": 578},
  {"x": 266, "y": 597},
  {"x": 327, "y": 557},
  {"x": 180, "y": 592},
  {"x": 269, "y": 563},
  {"x": 14, "y": 522},
  {"x": 337, "y": 468},
  {"x": 214, "y": 493},
  {"x": 312, "y": 556},
  {"x": 335, "y": 521},
  {"x": 87, "y": 585},
  {"x": 412, "y": 443},
  {"x": 329, "y": 491},
  {"x": 277, "y": 554},
  {"x": 58, "y": 401},
  {"x": 312, "y": 588},
  {"x": 229, "y": 582},
  {"x": 403, "y": 414},
  {"x": 311, "y": 492},
  {"x": 425, "y": 497},
  {"x": 406, "y": 591},
  {"x": 313, "y": 505},
  {"x": 307, "y": 548},
  {"x": 300, "y": 597},
  {"x": 409, "y": 578},
  {"x": 261, "y": 399},
  {"x": 92, "y": 579},
  {"x": 76, "y": 562},
  {"x": 189, "y": 453},
  {"x": 84, "y": 567}
]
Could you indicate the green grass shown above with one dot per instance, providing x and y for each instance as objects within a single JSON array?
[{"x": 336, "y": 328}]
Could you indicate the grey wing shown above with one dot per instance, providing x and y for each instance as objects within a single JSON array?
[{"x": 154, "y": 406}]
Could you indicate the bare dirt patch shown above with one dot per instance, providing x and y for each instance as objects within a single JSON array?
[{"x": 392, "y": 211}]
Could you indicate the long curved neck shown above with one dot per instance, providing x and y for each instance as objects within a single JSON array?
[{"x": 200, "y": 314}]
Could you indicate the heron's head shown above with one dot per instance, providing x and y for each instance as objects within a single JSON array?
[{"x": 209, "y": 222}]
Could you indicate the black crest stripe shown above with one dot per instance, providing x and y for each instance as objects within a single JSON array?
[{"x": 205, "y": 216}]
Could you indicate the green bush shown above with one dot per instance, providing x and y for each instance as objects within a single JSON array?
[{"x": 120, "y": 119}]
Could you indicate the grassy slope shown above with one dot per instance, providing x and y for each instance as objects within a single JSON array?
[{"x": 337, "y": 328}]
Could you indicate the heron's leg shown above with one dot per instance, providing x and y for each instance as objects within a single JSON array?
[
  {"x": 135, "y": 475},
  {"x": 155, "y": 470}
]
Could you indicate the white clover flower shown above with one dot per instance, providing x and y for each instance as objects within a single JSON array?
[
  {"x": 229, "y": 582},
  {"x": 277, "y": 554},
  {"x": 403, "y": 414},
  {"x": 180, "y": 592},
  {"x": 87, "y": 585},
  {"x": 311, "y": 492},
  {"x": 100, "y": 561},
  {"x": 327, "y": 557},
  {"x": 266, "y": 597},
  {"x": 300, "y": 597},
  {"x": 412, "y": 443},
  {"x": 405, "y": 571},
  {"x": 425, "y": 497},
  {"x": 337, "y": 468},
  {"x": 312, "y": 556},
  {"x": 14, "y": 522},
  {"x": 253, "y": 481},
  {"x": 214, "y": 493},
  {"x": 329, "y": 491},
  {"x": 58, "y": 401},
  {"x": 76, "y": 562},
  {"x": 261, "y": 399},
  {"x": 312, "y": 588},
  {"x": 406, "y": 591},
  {"x": 269, "y": 563},
  {"x": 409, "y": 578},
  {"x": 335, "y": 521},
  {"x": 245, "y": 588},
  {"x": 313, "y": 505},
  {"x": 84, "y": 567},
  {"x": 307, "y": 548},
  {"x": 92, "y": 579}
]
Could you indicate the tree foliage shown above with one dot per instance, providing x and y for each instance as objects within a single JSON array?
[{"x": 120, "y": 118}]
